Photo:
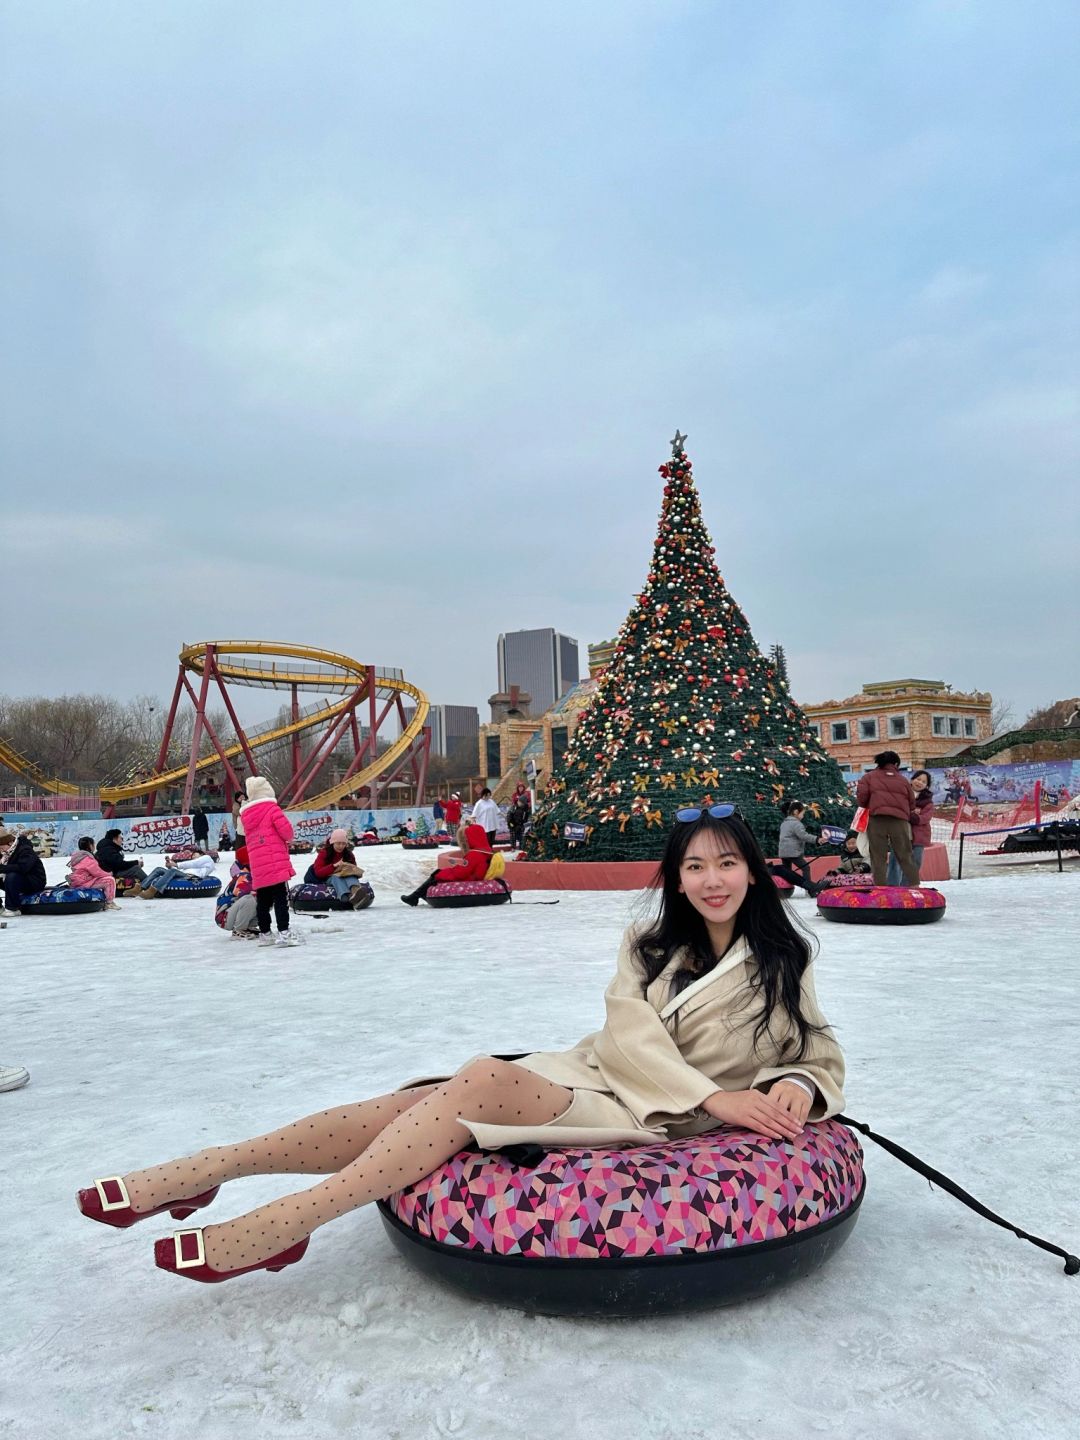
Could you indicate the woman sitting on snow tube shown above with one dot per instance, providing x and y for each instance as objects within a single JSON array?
[
  {"x": 188, "y": 878},
  {"x": 335, "y": 867},
  {"x": 84, "y": 873},
  {"x": 471, "y": 868},
  {"x": 711, "y": 1021}
]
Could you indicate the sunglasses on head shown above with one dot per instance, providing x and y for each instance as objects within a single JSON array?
[{"x": 695, "y": 812}]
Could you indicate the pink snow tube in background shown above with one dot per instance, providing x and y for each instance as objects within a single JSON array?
[{"x": 882, "y": 905}]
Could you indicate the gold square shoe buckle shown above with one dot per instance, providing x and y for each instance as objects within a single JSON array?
[
  {"x": 188, "y": 1245},
  {"x": 118, "y": 1188}
]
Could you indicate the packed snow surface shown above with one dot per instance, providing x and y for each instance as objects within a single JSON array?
[{"x": 149, "y": 1033}]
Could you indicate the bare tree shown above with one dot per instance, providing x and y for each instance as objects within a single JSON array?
[
  {"x": 1053, "y": 717},
  {"x": 1001, "y": 716}
]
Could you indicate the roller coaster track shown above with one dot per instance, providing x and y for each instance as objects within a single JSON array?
[
  {"x": 12, "y": 760},
  {"x": 329, "y": 671}
]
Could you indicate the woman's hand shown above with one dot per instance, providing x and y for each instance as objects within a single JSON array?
[
  {"x": 751, "y": 1110},
  {"x": 793, "y": 1098}
]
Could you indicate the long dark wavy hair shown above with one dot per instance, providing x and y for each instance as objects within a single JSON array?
[{"x": 781, "y": 951}]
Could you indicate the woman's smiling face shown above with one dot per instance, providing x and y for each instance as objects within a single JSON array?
[{"x": 714, "y": 877}]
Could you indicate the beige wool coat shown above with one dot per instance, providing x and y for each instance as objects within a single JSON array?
[{"x": 644, "y": 1076}]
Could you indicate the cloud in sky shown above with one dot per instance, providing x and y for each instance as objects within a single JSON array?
[{"x": 367, "y": 327}]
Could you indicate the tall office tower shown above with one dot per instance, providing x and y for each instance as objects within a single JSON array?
[
  {"x": 454, "y": 729},
  {"x": 541, "y": 662}
]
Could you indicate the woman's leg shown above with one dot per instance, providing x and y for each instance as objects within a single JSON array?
[
  {"x": 893, "y": 874},
  {"x": 900, "y": 840},
  {"x": 415, "y": 896},
  {"x": 263, "y": 900},
  {"x": 785, "y": 869},
  {"x": 341, "y": 886},
  {"x": 281, "y": 907},
  {"x": 424, "y": 1136},
  {"x": 318, "y": 1144},
  {"x": 878, "y": 832},
  {"x": 916, "y": 857}
]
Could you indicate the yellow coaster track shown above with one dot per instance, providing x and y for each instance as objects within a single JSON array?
[{"x": 12, "y": 760}]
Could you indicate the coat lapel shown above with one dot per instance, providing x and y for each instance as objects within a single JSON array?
[{"x": 737, "y": 955}]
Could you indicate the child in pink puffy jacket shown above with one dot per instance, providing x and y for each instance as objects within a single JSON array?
[
  {"x": 84, "y": 873},
  {"x": 267, "y": 831}
]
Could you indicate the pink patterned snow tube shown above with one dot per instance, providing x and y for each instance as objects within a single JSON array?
[
  {"x": 460, "y": 894},
  {"x": 694, "y": 1197},
  {"x": 883, "y": 905}
]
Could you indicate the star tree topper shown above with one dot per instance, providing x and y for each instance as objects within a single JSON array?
[{"x": 677, "y": 445}]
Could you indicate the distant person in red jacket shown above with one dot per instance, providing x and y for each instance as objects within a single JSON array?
[
  {"x": 453, "y": 812},
  {"x": 890, "y": 801},
  {"x": 474, "y": 865}
]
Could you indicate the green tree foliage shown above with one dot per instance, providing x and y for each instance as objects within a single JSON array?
[{"x": 689, "y": 712}]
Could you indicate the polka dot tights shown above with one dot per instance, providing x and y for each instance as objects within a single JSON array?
[{"x": 368, "y": 1151}]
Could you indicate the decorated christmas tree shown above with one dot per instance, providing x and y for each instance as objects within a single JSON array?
[{"x": 688, "y": 712}]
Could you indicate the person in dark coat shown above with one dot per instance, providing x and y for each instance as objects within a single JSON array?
[
  {"x": 200, "y": 829},
  {"x": 24, "y": 874},
  {"x": 110, "y": 856}
]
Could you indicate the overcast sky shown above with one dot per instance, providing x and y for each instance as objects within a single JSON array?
[{"x": 366, "y": 326}]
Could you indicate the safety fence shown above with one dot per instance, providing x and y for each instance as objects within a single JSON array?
[
  {"x": 1037, "y": 844},
  {"x": 82, "y": 804}
]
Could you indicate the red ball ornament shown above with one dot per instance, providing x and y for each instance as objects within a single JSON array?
[{"x": 664, "y": 743}]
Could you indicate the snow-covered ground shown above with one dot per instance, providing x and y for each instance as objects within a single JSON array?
[{"x": 149, "y": 1033}]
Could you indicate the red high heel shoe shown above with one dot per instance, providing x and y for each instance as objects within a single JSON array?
[
  {"x": 184, "y": 1253},
  {"x": 110, "y": 1203}
]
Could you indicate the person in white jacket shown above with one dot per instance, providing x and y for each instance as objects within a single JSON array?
[
  {"x": 487, "y": 815},
  {"x": 156, "y": 882}
]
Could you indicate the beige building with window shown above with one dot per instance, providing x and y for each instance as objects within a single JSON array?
[{"x": 915, "y": 718}]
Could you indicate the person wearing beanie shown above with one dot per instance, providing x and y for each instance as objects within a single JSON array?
[
  {"x": 335, "y": 865},
  {"x": 453, "y": 812},
  {"x": 267, "y": 831}
]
